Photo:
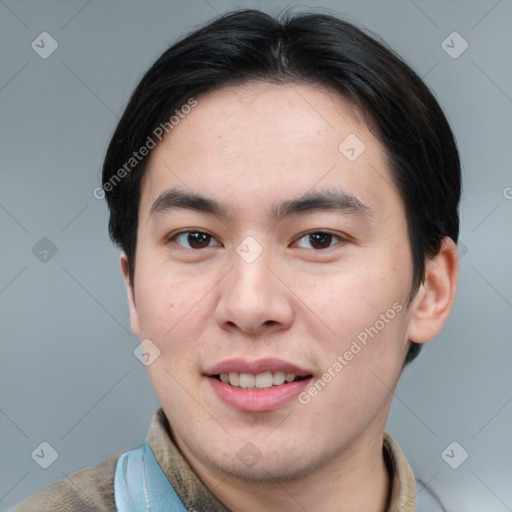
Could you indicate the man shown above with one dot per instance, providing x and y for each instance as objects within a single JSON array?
[{"x": 286, "y": 197}]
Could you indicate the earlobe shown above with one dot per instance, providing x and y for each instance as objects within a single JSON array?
[
  {"x": 134, "y": 318},
  {"x": 434, "y": 300}
]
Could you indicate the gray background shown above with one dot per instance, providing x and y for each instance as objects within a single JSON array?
[{"x": 68, "y": 375}]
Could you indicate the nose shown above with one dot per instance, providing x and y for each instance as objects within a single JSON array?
[{"x": 254, "y": 299}]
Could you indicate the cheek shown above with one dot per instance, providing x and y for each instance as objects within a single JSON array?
[
  {"x": 350, "y": 299},
  {"x": 168, "y": 306},
  {"x": 168, "y": 316},
  {"x": 362, "y": 307},
  {"x": 361, "y": 361}
]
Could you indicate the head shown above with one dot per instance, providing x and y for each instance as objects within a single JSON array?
[{"x": 283, "y": 191}]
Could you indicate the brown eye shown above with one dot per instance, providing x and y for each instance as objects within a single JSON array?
[
  {"x": 318, "y": 240},
  {"x": 192, "y": 239},
  {"x": 198, "y": 240}
]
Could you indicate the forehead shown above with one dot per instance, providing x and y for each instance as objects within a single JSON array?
[
  {"x": 247, "y": 118},
  {"x": 269, "y": 140}
]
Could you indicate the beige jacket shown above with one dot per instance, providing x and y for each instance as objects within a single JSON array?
[{"x": 92, "y": 489}]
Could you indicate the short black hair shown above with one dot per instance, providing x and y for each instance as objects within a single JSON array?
[{"x": 247, "y": 46}]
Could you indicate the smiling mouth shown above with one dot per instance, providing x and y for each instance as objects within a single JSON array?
[{"x": 263, "y": 380}]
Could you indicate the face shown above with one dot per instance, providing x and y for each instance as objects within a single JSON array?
[{"x": 279, "y": 301}]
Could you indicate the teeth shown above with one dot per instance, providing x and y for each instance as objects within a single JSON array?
[
  {"x": 234, "y": 379},
  {"x": 246, "y": 380},
  {"x": 278, "y": 378},
  {"x": 263, "y": 380},
  {"x": 260, "y": 381}
]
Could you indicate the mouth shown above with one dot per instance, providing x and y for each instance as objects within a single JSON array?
[
  {"x": 257, "y": 386},
  {"x": 263, "y": 380}
]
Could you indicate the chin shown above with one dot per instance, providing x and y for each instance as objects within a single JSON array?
[{"x": 281, "y": 462}]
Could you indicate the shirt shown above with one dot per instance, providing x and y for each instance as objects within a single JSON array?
[{"x": 92, "y": 489}]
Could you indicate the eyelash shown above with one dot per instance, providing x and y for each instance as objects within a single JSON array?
[{"x": 197, "y": 232}]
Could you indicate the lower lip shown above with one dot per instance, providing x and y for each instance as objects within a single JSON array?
[{"x": 258, "y": 400}]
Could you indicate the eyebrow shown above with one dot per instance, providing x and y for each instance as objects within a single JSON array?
[{"x": 323, "y": 200}]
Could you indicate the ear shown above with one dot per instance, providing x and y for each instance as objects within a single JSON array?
[
  {"x": 434, "y": 299},
  {"x": 134, "y": 317}
]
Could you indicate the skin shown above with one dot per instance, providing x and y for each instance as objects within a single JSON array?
[{"x": 250, "y": 147}]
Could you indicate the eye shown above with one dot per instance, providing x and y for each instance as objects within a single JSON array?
[
  {"x": 192, "y": 239},
  {"x": 319, "y": 240}
]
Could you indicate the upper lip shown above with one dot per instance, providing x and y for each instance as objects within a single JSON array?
[{"x": 255, "y": 367}]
